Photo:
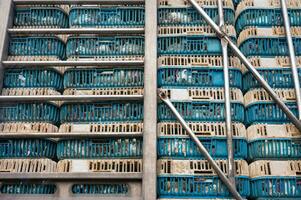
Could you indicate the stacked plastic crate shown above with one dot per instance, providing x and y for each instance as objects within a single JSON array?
[
  {"x": 273, "y": 143},
  {"x": 117, "y": 123},
  {"x": 32, "y": 155},
  {"x": 191, "y": 74}
]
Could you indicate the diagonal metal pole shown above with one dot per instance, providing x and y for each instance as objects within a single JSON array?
[
  {"x": 244, "y": 60},
  {"x": 231, "y": 170},
  {"x": 292, "y": 55},
  {"x": 202, "y": 149}
]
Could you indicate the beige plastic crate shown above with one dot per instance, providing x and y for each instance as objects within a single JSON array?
[
  {"x": 193, "y": 30},
  {"x": 258, "y": 32},
  {"x": 28, "y": 91},
  {"x": 260, "y": 95},
  {"x": 181, "y": 3},
  {"x": 272, "y": 131},
  {"x": 114, "y": 127},
  {"x": 27, "y": 165},
  {"x": 107, "y": 58},
  {"x": 33, "y": 58},
  {"x": 200, "y": 129},
  {"x": 198, "y": 167},
  {"x": 101, "y": 166},
  {"x": 265, "y": 4},
  {"x": 105, "y": 91},
  {"x": 202, "y": 94},
  {"x": 199, "y": 61},
  {"x": 275, "y": 168},
  {"x": 22, "y": 127}
]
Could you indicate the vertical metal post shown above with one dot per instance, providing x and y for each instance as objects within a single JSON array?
[
  {"x": 6, "y": 17},
  {"x": 292, "y": 55},
  {"x": 150, "y": 103},
  {"x": 203, "y": 150},
  {"x": 248, "y": 65},
  {"x": 231, "y": 166}
]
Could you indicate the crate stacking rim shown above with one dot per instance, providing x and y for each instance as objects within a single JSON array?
[
  {"x": 100, "y": 148},
  {"x": 29, "y": 112},
  {"x": 185, "y": 76},
  {"x": 22, "y": 127},
  {"x": 173, "y": 141},
  {"x": 34, "y": 46},
  {"x": 102, "y": 112},
  {"x": 103, "y": 78},
  {"x": 23, "y": 148},
  {"x": 40, "y": 17},
  {"x": 201, "y": 111},
  {"x": 260, "y": 108},
  {"x": 27, "y": 188},
  {"x": 275, "y": 179},
  {"x": 271, "y": 141},
  {"x": 106, "y": 17},
  {"x": 181, "y": 13},
  {"x": 105, "y": 188},
  {"x": 196, "y": 178},
  {"x": 33, "y": 78},
  {"x": 94, "y": 46},
  {"x": 265, "y": 13}
]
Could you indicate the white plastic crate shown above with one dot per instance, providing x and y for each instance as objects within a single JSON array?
[
  {"x": 27, "y": 165},
  {"x": 28, "y": 91},
  {"x": 22, "y": 127},
  {"x": 105, "y": 91},
  {"x": 198, "y": 167},
  {"x": 200, "y": 129},
  {"x": 114, "y": 127},
  {"x": 260, "y": 95},
  {"x": 179, "y": 3},
  {"x": 202, "y": 94},
  {"x": 275, "y": 168},
  {"x": 101, "y": 166}
]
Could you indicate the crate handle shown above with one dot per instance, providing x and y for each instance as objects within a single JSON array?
[
  {"x": 203, "y": 97},
  {"x": 203, "y": 172},
  {"x": 202, "y": 133}
]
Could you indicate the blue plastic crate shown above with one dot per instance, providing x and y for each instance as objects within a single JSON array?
[
  {"x": 274, "y": 148},
  {"x": 29, "y": 112},
  {"x": 172, "y": 16},
  {"x": 29, "y": 78},
  {"x": 201, "y": 111},
  {"x": 189, "y": 44},
  {"x": 276, "y": 77},
  {"x": 103, "y": 78},
  {"x": 183, "y": 147},
  {"x": 27, "y": 148},
  {"x": 106, "y": 189},
  {"x": 197, "y": 76},
  {"x": 273, "y": 46},
  {"x": 27, "y": 188},
  {"x": 89, "y": 46},
  {"x": 37, "y": 46},
  {"x": 276, "y": 187},
  {"x": 266, "y": 18},
  {"x": 199, "y": 187},
  {"x": 100, "y": 148},
  {"x": 117, "y": 17},
  {"x": 267, "y": 112},
  {"x": 102, "y": 112},
  {"x": 48, "y": 17}
]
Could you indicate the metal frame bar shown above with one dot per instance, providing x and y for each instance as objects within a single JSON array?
[
  {"x": 231, "y": 165},
  {"x": 149, "y": 182},
  {"x": 74, "y": 2},
  {"x": 60, "y": 31},
  {"x": 222, "y": 35},
  {"x": 71, "y": 98},
  {"x": 292, "y": 55},
  {"x": 203, "y": 150},
  {"x": 103, "y": 64}
]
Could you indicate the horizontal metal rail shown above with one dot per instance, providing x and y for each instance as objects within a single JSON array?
[
  {"x": 70, "y": 98},
  {"x": 74, "y": 135},
  {"x": 99, "y": 31},
  {"x": 74, "y": 2},
  {"x": 92, "y": 64},
  {"x": 70, "y": 176}
]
